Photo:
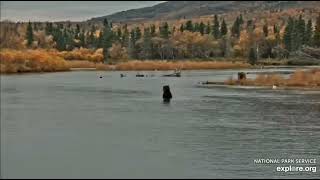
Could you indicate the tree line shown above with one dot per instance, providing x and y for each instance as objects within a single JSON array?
[{"x": 189, "y": 40}]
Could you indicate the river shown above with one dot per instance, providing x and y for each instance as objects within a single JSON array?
[{"x": 77, "y": 125}]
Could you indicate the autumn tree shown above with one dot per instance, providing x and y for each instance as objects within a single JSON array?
[{"x": 117, "y": 53}]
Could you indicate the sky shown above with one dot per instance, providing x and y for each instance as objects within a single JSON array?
[{"x": 65, "y": 10}]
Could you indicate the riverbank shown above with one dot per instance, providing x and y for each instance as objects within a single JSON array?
[
  {"x": 309, "y": 79},
  {"x": 33, "y": 61},
  {"x": 62, "y": 65}
]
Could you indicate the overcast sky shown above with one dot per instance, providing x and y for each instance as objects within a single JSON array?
[{"x": 65, "y": 10}]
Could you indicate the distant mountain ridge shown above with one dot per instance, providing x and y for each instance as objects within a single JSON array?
[{"x": 189, "y": 9}]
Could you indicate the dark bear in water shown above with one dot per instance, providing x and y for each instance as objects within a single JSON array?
[
  {"x": 166, "y": 94},
  {"x": 241, "y": 75}
]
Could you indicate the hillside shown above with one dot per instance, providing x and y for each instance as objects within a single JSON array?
[{"x": 192, "y": 9}]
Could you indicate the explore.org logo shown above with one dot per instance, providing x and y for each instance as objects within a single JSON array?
[{"x": 305, "y": 165}]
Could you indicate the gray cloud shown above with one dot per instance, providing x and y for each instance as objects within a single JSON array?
[{"x": 65, "y": 10}]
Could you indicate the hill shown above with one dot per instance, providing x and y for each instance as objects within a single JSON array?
[{"x": 191, "y": 9}]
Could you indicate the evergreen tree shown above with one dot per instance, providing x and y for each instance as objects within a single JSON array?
[
  {"x": 35, "y": 27},
  {"x": 77, "y": 32},
  {"x": 208, "y": 28},
  {"x": 287, "y": 37},
  {"x": 125, "y": 36},
  {"x": 224, "y": 28},
  {"x": 100, "y": 39},
  {"x": 276, "y": 32},
  {"x": 91, "y": 38},
  {"x": 132, "y": 44},
  {"x": 316, "y": 36},
  {"x": 265, "y": 30},
  {"x": 235, "y": 30},
  {"x": 61, "y": 43},
  {"x": 105, "y": 22},
  {"x": 216, "y": 28},
  {"x": 241, "y": 21},
  {"x": 189, "y": 26},
  {"x": 164, "y": 30},
  {"x": 181, "y": 28},
  {"x": 29, "y": 34},
  {"x": 48, "y": 28},
  {"x": 107, "y": 37},
  {"x": 153, "y": 30},
  {"x": 147, "y": 44},
  {"x": 252, "y": 56},
  {"x": 118, "y": 35},
  {"x": 68, "y": 40},
  {"x": 82, "y": 38},
  {"x": 196, "y": 27},
  {"x": 202, "y": 28},
  {"x": 250, "y": 26},
  {"x": 308, "y": 34},
  {"x": 138, "y": 33},
  {"x": 173, "y": 30},
  {"x": 301, "y": 28},
  {"x": 296, "y": 37}
]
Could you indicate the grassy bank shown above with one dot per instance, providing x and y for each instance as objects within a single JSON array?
[
  {"x": 299, "y": 78},
  {"x": 41, "y": 60},
  {"x": 13, "y": 61},
  {"x": 184, "y": 65}
]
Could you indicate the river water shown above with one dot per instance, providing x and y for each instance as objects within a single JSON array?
[{"x": 77, "y": 125}]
